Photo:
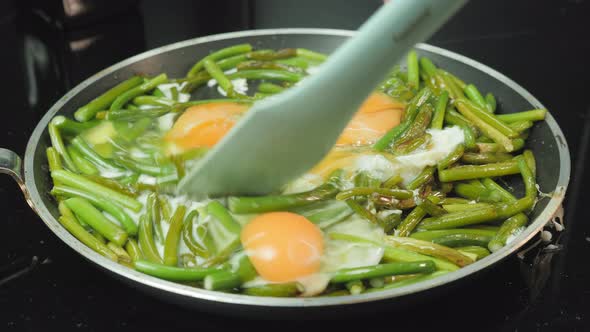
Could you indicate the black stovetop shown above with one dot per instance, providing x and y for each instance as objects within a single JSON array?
[{"x": 45, "y": 286}]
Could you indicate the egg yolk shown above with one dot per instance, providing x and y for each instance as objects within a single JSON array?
[
  {"x": 283, "y": 246},
  {"x": 378, "y": 114},
  {"x": 204, "y": 125}
]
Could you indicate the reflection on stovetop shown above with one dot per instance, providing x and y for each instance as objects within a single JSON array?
[{"x": 44, "y": 285}]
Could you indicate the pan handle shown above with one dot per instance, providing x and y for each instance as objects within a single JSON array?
[{"x": 12, "y": 164}]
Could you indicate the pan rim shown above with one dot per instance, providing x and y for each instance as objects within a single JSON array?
[{"x": 202, "y": 294}]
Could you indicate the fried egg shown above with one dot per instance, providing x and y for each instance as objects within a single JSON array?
[{"x": 286, "y": 247}]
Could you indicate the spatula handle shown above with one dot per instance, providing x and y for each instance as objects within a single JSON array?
[{"x": 359, "y": 65}]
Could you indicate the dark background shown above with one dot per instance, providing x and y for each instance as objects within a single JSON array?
[{"x": 49, "y": 46}]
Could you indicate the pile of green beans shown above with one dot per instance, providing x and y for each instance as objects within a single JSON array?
[{"x": 451, "y": 215}]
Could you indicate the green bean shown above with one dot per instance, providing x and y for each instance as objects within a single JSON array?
[
  {"x": 144, "y": 88},
  {"x": 133, "y": 249},
  {"x": 456, "y": 80},
  {"x": 528, "y": 178},
  {"x": 491, "y": 102},
  {"x": 473, "y": 94},
  {"x": 250, "y": 65},
  {"x": 53, "y": 159},
  {"x": 154, "y": 101},
  {"x": 93, "y": 217},
  {"x": 173, "y": 236},
  {"x": 458, "y": 233},
  {"x": 219, "y": 211},
  {"x": 427, "y": 66},
  {"x": 173, "y": 273},
  {"x": 231, "y": 62},
  {"x": 216, "y": 73},
  {"x": 459, "y": 219},
  {"x": 88, "y": 111},
  {"x": 429, "y": 248},
  {"x": 146, "y": 240},
  {"x": 58, "y": 145},
  {"x": 410, "y": 145},
  {"x": 439, "y": 111},
  {"x": 479, "y": 251},
  {"x": 411, "y": 111},
  {"x": 503, "y": 193},
  {"x": 267, "y": 74},
  {"x": 135, "y": 115},
  {"x": 364, "y": 191},
  {"x": 145, "y": 168},
  {"x": 266, "y": 87},
  {"x": 223, "y": 53},
  {"x": 87, "y": 152},
  {"x": 69, "y": 127},
  {"x": 94, "y": 233},
  {"x": 196, "y": 81},
  {"x": 222, "y": 280},
  {"x": 297, "y": 61},
  {"x": 478, "y": 171},
  {"x": 154, "y": 212},
  {"x": 476, "y": 193},
  {"x": 431, "y": 208},
  {"x": 452, "y": 84},
  {"x": 362, "y": 212},
  {"x": 325, "y": 214},
  {"x": 463, "y": 207},
  {"x": 281, "y": 202},
  {"x": 487, "y": 129},
  {"x": 204, "y": 246},
  {"x": 269, "y": 55},
  {"x": 408, "y": 282},
  {"x": 475, "y": 113},
  {"x": 382, "y": 270},
  {"x": 452, "y": 158},
  {"x": 454, "y": 200},
  {"x": 517, "y": 144},
  {"x": 122, "y": 255},
  {"x": 411, "y": 221},
  {"x": 315, "y": 56},
  {"x": 533, "y": 115},
  {"x": 274, "y": 290},
  {"x": 413, "y": 69},
  {"x": 85, "y": 237},
  {"x": 391, "y": 136},
  {"x": 244, "y": 269},
  {"x": 419, "y": 125},
  {"x": 509, "y": 227},
  {"x": 392, "y": 181},
  {"x": 460, "y": 239},
  {"x": 100, "y": 202},
  {"x": 113, "y": 184},
  {"x": 520, "y": 126},
  {"x": 424, "y": 177},
  {"x": 529, "y": 158},
  {"x": 84, "y": 166},
  {"x": 485, "y": 158},
  {"x": 229, "y": 227},
  {"x": 454, "y": 118},
  {"x": 507, "y": 210},
  {"x": 355, "y": 287}
]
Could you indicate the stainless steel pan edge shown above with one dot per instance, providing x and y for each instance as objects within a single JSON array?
[{"x": 190, "y": 294}]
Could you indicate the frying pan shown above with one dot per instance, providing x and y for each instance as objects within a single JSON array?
[{"x": 546, "y": 140}]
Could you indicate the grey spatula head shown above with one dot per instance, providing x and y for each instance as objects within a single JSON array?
[{"x": 283, "y": 136}]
